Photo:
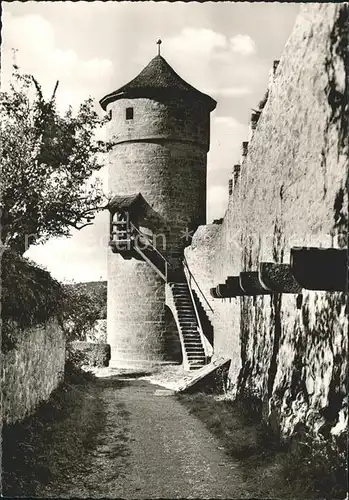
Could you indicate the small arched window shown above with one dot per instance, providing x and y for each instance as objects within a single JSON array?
[{"x": 129, "y": 113}]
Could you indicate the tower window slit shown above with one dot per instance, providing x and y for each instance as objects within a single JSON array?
[{"x": 129, "y": 113}]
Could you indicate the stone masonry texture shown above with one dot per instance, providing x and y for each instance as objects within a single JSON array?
[
  {"x": 292, "y": 192},
  {"x": 32, "y": 370},
  {"x": 160, "y": 153}
]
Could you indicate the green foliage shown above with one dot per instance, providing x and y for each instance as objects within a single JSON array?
[
  {"x": 97, "y": 290},
  {"x": 320, "y": 463},
  {"x": 75, "y": 360},
  {"x": 80, "y": 312},
  {"x": 47, "y": 161},
  {"x": 30, "y": 297},
  {"x": 308, "y": 466}
]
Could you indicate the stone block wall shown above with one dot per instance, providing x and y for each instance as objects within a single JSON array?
[
  {"x": 156, "y": 119},
  {"x": 171, "y": 177},
  {"x": 136, "y": 313},
  {"x": 292, "y": 192},
  {"x": 32, "y": 370}
]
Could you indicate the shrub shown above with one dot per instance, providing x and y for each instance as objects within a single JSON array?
[
  {"x": 30, "y": 297},
  {"x": 319, "y": 462},
  {"x": 80, "y": 312}
]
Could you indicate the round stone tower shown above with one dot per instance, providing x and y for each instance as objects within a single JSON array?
[{"x": 159, "y": 127}]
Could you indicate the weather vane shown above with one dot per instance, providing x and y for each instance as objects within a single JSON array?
[{"x": 159, "y": 42}]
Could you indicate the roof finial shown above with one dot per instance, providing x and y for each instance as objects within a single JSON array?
[{"x": 158, "y": 43}]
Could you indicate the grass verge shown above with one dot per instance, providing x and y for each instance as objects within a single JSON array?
[
  {"x": 45, "y": 445},
  {"x": 304, "y": 469}
]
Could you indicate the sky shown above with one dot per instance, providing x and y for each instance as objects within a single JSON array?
[{"x": 224, "y": 49}]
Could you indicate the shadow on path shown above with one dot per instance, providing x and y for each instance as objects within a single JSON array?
[{"x": 116, "y": 438}]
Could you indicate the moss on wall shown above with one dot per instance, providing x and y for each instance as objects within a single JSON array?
[
  {"x": 291, "y": 192},
  {"x": 32, "y": 370}
]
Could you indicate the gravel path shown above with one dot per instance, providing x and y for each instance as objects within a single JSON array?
[{"x": 149, "y": 447}]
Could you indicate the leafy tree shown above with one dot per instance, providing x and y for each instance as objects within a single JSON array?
[
  {"x": 81, "y": 309},
  {"x": 47, "y": 161}
]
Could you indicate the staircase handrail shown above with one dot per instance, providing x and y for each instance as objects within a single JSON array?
[
  {"x": 197, "y": 284},
  {"x": 150, "y": 242},
  {"x": 204, "y": 341},
  {"x": 167, "y": 264}
]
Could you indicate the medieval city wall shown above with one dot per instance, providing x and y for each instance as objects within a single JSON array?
[
  {"x": 31, "y": 370},
  {"x": 291, "y": 357}
]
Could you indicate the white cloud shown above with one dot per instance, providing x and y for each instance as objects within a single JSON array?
[
  {"x": 228, "y": 91},
  {"x": 242, "y": 44},
  {"x": 38, "y": 53},
  {"x": 200, "y": 41},
  {"x": 210, "y": 61},
  {"x": 206, "y": 58}
]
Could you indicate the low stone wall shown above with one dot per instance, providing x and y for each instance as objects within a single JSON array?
[
  {"x": 32, "y": 370},
  {"x": 91, "y": 353}
]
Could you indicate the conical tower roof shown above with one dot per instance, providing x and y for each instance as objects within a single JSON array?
[{"x": 158, "y": 80}]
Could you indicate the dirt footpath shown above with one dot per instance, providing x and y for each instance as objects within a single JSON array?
[{"x": 149, "y": 446}]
